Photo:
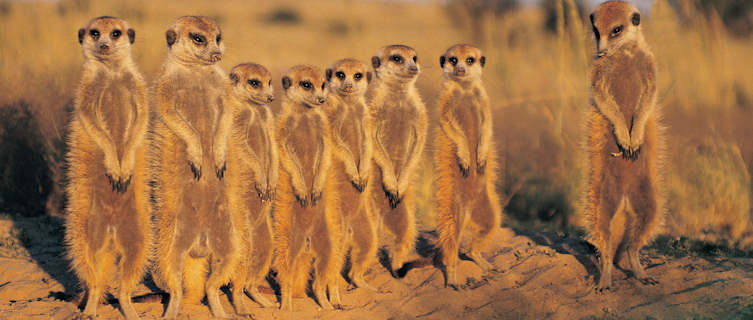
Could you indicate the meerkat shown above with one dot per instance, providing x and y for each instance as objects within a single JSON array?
[
  {"x": 624, "y": 142},
  {"x": 197, "y": 241},
  {"x": 108, "y": 223},
  {"x": 464, "y": 160},
  {"x": 398, "y": 121},
  {"x": 306, "y": 224},
  {"x": 248, "y": 126},
  {"x": 346, "y": 110}
]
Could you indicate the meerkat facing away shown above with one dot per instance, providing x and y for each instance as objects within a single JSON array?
[
  {"x": 346, "y": 110},
  {"x": 398, "y": 123},
  {"x": 306, "y": 222},
  {"x": 195, "y": 233},
  {"x": 248, "y": 126},
  {"x": 108, "y": 222},
  {"x": 464, "y": 160},
  {"x": 624, "y": 142}
]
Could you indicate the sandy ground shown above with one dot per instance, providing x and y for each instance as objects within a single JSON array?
[{"x": 542, "y": 275}]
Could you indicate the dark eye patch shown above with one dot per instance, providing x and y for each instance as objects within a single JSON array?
[
  {"x": 254, "y": 83},
  {"x": 616, "y": 31},
  {"x": 197, "y": 38},
  {"x": 453, "y": 60},
  {"x": 470, "y": 61},
  {"x": 115, "y": 34},
  {"x": 340, "y": 75},
  {"x": 219, "y": 38},
  {"x": 305, "y": 84},
  {"x": 323, "y": 85},
  {"x": 94, "y": 33},
  {"x": 358, "y": 76},
  {"x": 415, "y": 58},
  {"x": 397, "y": 58}
]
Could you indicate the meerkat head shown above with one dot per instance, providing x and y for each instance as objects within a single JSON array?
[
  {"x": 396, "y": 62},
  {"x": 615, "y": 23},
  {"x": 305, "y": 84},
  {"x": 348, "y": 77},
  {"x": 106, "y": 38},
  {"x": 252, "y": 82},
  {"x": 462, "y": 62},
  {"x": 195, "y": 40}
]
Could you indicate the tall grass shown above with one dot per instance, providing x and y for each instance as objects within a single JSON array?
[{"x": 537, "y": 81}]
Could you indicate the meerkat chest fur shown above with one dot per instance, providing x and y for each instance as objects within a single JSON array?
[
  {"x": 198, "y": 100},
  {"x": 114, "y": 103},
  {"x": 346, "y": 122},
  {"x": 256, "y": 133},
  {"x": 306, "y": 139},
  {"x": 465, "y": 106},
  {"x": 624, "y": 75},
  {"x": 396, "y": 123}
]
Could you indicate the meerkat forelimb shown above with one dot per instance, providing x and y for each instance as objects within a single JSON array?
[
  {"x": 624, "y": 196},
  {"x": 352, "y": 162},
  {"x": 198, "y": 241},
  {"x": 306, "y": 223},
  {"x": 398, "y": 123},
  {"x": 464, "y": 160},
  {"x": 108, "y": 225},
  {"x": 252, "y": 161}
]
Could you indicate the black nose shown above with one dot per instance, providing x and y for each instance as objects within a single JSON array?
[
  {"x": 414, "y": 68},
  {"x": 216, "y": 56},
  {"x": 104, "y": 46},
  {"x": 270, "y": 98},
  {"x": 321, "y": 100}
]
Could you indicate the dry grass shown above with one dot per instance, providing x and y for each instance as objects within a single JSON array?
[{"x": 537, "y": 81}]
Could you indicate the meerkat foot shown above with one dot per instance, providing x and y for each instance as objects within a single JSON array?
[
  {"x": 213, "y": 297},
  {"x": 481, "y": 262},
  {"x": 451, "y": 277},
  {"x": 239, "y": 303},
  {"x": 638, "y": 271},
  {"x": 254, "y": 293},
  {"x": 92, "y": 302},
  {"x": 321, "y": 296},
  {"x": 126, "y": 306},
  {"x": 174, "y": 305},
  {"x": 361, "y": 283},
  {"x": 286, "y": 300},
  {"x": 334, "y": 295},
  {"x": 605, "y": 282}
]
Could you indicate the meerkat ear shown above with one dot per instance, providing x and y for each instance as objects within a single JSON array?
[
  {"x": 441, "y": 61},
  {"x": 592, "y": 18},
  {"x": 596, "y": 31},
  {"x": 368, "y": 76},
  {"x": 375, "y": 62},
  {"x": 171, "y": 37},
  {"x": 328, "y": 73},
  {"x": 482, "y": 61},
  {"x": 131, "y": 35},
  {"x": 636, "y": 19},
  {"x": 286, "y": 82},
  {"x": 81, "y": 33},
  {"x": 234, "y": 77}
]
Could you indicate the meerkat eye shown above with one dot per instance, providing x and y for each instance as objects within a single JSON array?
[
  {"x": 94, "y": 33},
  {"x": 415, "y": 58},
  {"x": 340, "y": 75},
  {"x": 470, "y": 61},
  {"x": 616, "y": 31},
  {"x": 254, "y": 83},
  {"x": 305, "y": 84},
  {"x": 219, "y": 38},
  {"x": 358, "y": 76},
  {"x": 453, "y": 60},
  {"x": 397, "y": 58},
  {"x": 270, "y": 82},
  {"x": 199, "y": 39},
  {"x": 323, "y": 85},
  {"x": 115, "y": 34}
]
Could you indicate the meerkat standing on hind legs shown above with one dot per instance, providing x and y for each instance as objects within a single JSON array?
[
  {"x": 197, "y": 241},
  {"x": 352, "y": 150},
  {"x": 398, "y": 124},
  {"x": 108, "y": 221},
  {"x": 465, "y": 160},
  {"x": 624, "y": 203},
  {"x": 248, "y": 127},
  {"x": 306, "y": 222}
]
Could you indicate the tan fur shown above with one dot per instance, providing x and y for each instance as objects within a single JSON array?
[
  {"x": 306, "y": 222},
  {"x": 398, "y": 123},
  {"x": 346, "y": 112},
  {"x": 195, "y": 230},
  {"x": 465, "y": 161},
  {"x": 624, "y": 142},
  {"x": 108, "y": 208},
  {"x": 252, "y": 169}
]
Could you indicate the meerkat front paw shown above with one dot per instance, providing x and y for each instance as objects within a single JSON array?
[
  {"x": 220, "y": 170},
  {"x": 481, "y": 167},
  {"x": 359, "y": 184},
  {"x": 392, "y": 196},
  {"x": 315, "y": 197},
  {"x": 196, "y": 170},
  {"x": 464, "y": 167},
  {"x": 194, "y": 161}
]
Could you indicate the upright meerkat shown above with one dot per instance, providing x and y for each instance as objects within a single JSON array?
[
  {"x": 352, "y": 150},
  {"x": 108, "y": 222},
  {"x": 195, "y": 231},
  {"x": 252, "y": 165},
  {"x": 306, "y": 222},
  {"x": 624, "y": 142},
  {"x": 465, "y": 162},
  {"x": 398, "y": 124}
]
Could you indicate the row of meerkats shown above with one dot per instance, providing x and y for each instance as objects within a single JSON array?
[{"x": 203, "y": 183}]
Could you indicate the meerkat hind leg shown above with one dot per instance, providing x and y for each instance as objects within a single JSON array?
[
  {"x": 642, "y": 207},
  {"x": 485, "y": 224},
  {"x": 609, "y": 210},
  {"x": 252, "y": 290}
]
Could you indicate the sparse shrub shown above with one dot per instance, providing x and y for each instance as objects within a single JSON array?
[
  {"x": 25, "y": 180},
  {"x": 283, "y": 15},
  {"x": 709, "y": 193}
]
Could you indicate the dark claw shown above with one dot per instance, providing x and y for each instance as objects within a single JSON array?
[
  {"x": 480, "y": 168},
  {"x": 315, "y": 197},
  {"x": 649, "y": 281},
  {"x": 359, "y": 186},
  {"x": 302, "y": 201},
  {"x": 111, "y": 180},
  {"x": 221, "y": 171},
  {"x": 196, "y": 171},
  {"x": 463, "y": 170},
  {"x": 271, "y": 194},
  {"x": 126, "y": 184}
]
